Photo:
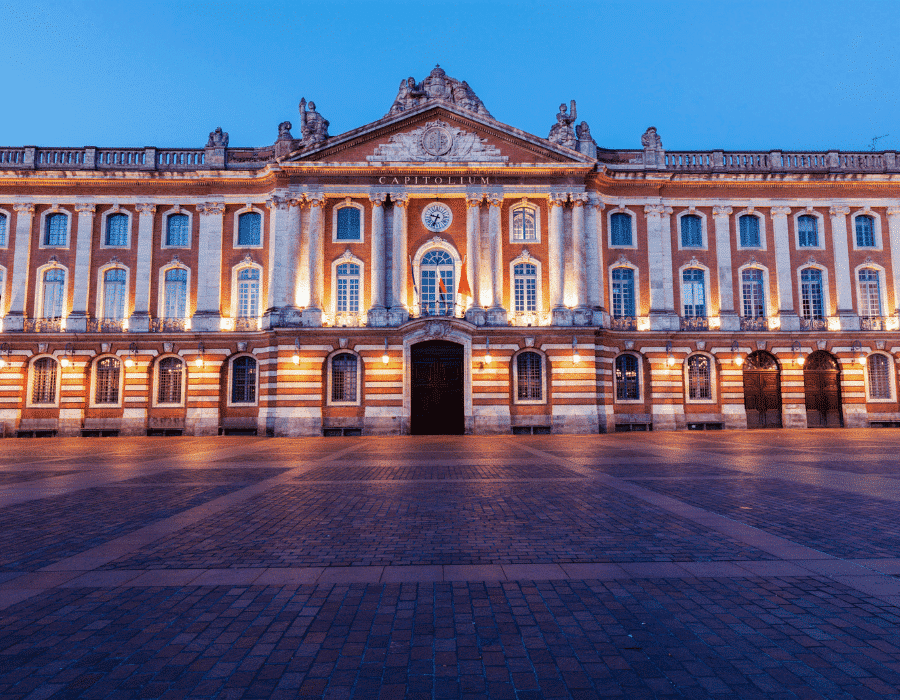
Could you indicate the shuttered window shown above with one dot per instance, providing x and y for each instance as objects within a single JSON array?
[
  {"x": 249, "y": 229},
  {"x": 117, "y": 230},
  {"x": 348, "y": 226},
  {"x": 621, "y": 229},
  {"x": 691, "y": 231},
  {"x": 749, "y": 230}
]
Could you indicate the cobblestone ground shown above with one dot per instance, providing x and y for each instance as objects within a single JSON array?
[{"x": 752, "y": 565}]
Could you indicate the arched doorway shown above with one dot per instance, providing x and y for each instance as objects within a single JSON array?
[
  {"x": 822, "y": 384},
  {"x": 437, "y": 388},
  {"x": 762, "y": 390}
]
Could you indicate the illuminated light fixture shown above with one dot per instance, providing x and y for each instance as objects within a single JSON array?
[
  {"x": 715, "y": 322},
  {"x": 4, "y": 350},
  {"x": 296, "y": 358},
  {"x": 738, "y": 358},
  {"x": 643, "y": 323},
  {"x": 65, "y": 361},
  {"x": 201, "y": 350},
  {"x": 774, "y": 323},
  {"x": 834, "y": 323},
  {"x": 799, "y": 359},
  {"x": 384, "y": 358},
  {"x": 670, "y": 358},
  {"x": 576, "y": 358},
  {"x": 129, "y": 361},
  {"x": 487, "y": 352}
]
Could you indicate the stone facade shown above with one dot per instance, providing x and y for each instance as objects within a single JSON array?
[{"x": 226, "y": 289}]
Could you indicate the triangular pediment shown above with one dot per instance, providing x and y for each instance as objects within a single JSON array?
[{"x": 438, "y": 133}]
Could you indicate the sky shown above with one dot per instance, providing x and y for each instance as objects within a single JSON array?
[{"x": 723, "y": 74}]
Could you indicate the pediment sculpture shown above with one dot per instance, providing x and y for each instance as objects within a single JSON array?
[
  {"x": 437, "y": 86},
  {"x": 437, "y": 141}
]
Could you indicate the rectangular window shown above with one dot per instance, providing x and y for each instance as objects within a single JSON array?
[
  {"x": 869, "y": 294},
  {"x": 623, "y": 292},
  {"x": 865, "y": 232},
  {"x": 808, "y": 231},
  {"x": 691, "y": 231},
  {"x": 693, "y": 291},
  {"x": 343, "y": 378},
  {"x": 621, "y": 229},
  {"x": 114, "y": 294},
  {"x": 107, "y": 388},
  {"x": 54, "y": 291},
  {"x": 628, "y": 386},
  {"x": 176, "y": 293},
  {"x": 177, "y": 230},
  {"x": 43, "y": 386},
  {"x": 699, "y": 377},
  {"x": 529, "y": 379},
  {"x": 249, "y": 229},
  {"x": 348, "y": 221},
  {"x": 348, "y": 288},
  {"x": 752, "y": 293},
  {"x": 248, "y": 292},
  {"x": 812, "y": 305},
  {"x": 525, "y": 291},
  {"x": 879, "y": 377},
  {"x": 3, "y": 222},
  {"x": 749, "y": 226},
  {"x": 55, "y": 233},
  {"x": 116, "y": 230}
]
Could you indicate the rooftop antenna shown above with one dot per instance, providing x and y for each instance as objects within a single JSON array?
[{"x": 875, "y": 140}]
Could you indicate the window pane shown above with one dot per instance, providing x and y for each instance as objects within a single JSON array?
[
  {"x": 623, "y": 292},
  {"x": 437, "y": 288},
  {"x": 177, "y": 230},
  {"x": 628, "y": 386},
  {"x": 54, "y": 290},
  {"x": 699, "y": 377},
  {"x": 114, "y": 294},
  {"x": 621, "y": 229},
  {"x": 809, "y": 231},
  {"x": 752, "y": 293},
  {"x": 2, "y": 229},
  {"x": 43, "y": 387},
  {"x": 343, "y": 377},
  {"x": 523, "y": 225},
  {"x": 879, "y": 377},
  {"x": 869, "y": 293},
  {"x": 248, "y": 292},
  {"x": 117, "y": 230},
  {"x": 811, "y": 294},
  {"x": 170, "y": 373},
  {"x": 176, "y": 293},
  {"x": 525, "y": 287},
  {"x": 865, "y": 232},
  {"x": 55, "y": 233},
  {"x": 348, "y": 288},
  {"x": 691, "y": 231},
  {"x": 530, "y": 385},
  {"x": 106, "y": 389},
  {"x": 693, "y": 290},
  {"x": 243, "y": 380},
  {"x": 249, "y": 229},
  {"x": 749, "y": 226},
  {"x": 348, "y": 224}
]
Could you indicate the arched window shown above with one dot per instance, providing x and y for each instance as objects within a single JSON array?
[
  {"x": 114, "y": 294},
  {"x": 106, "y": 386},
  {"x": 808, "y": 231},
  {"x": 879, "y": 368},
  {"x": 43, "y": 381},
  {"x": 55, "y": 227},
  {"x": 344, "y": 368},
  {"x": 865, "y": 231},
  {"x": 754, "y": 302},
  {"x": 811, "y": 298},
  {"x": 529, "y": 377},
  {"x": 628, "y": 378},
  {"x": 3, "y": 227},
  {"x": 693, "y": 291},
  {"x": 116, "y": 230},
  {"x": 249, "y": 228},
  {"x": 243, "y": 380},
  {"x": 54, "y": 292},
  {"x": 348, "y": 288},
  {"x": 437, "y": 291},
  {"x": 177, "y": 230},
  {"x": 175, "y": 293},
  {"x": 691, "y": 231},
  {"x": 524, "y": 228},
  {"x": 525, "y": 287},
  {"x": 621, "y": 229},
  {"x": 170, "y": 373},
  {"x": 869, "y": 293},
  {"x": 348, "y": 224},
  {"x": 248, "y": 292},
  {"x": 622, "y": 292},
  {"x": 699, "y": 377},
  {"x": 749, "y": 230}
]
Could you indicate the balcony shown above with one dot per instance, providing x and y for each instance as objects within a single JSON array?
[
  {"x": 623, "y": 323},
  {"x": 760, "y": 323},
  {"x": 695, "y": 323},
  {"x": 169, "y": 325},
  {"x": 438, "y": 308},
  {"x": 247, "y": 323},
  {"x": 106, "y": 325},
  {"x": 43, "y": 325},
  {"x": 813, "y": 324},
  {"x": 873, "y": 323}
]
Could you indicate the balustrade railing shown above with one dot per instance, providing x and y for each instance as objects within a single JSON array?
[
  {"x": 760, "y": 323},
  {"x": 438, "y": 308},
  {"x": 247, "y": 323},
  {"x": 623, "y": 323},
  {"x": 178, "y": 158},
  {"x": 12, "y": 156},
  {"x": 43, "y": 325},
  {"x": 694, "y": 323},
  {"x": 813, "y": 324},
  {"x": 163, "y": 325},
  {"x": 772, "y": 161},
  {"x": 59, "y": 157},
  {"x": 873, "y": 323},
  {"x": 105, "y": 325},
  {"x": 122, "y": 158}
]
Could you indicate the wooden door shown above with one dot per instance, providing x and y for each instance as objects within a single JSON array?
[
  {"x": 437, "y": 388},
  {"x": 822, "y": 386}
]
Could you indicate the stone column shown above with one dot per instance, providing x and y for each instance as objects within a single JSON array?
[
  {"x": 496, "y": 315},
  {"x": 893, "y": 215},
  {"x": 728, "y": 316},
  {"x": 207, "y": 315},
  {"x": 284, "y": 244},
  {"x": 476, "y": 313},
  {"x": 582, "y": 315},
  {"x": 312, "y": 314},
  {"x": 377, "y": 315},
  {"x": 399, "y": 312},
  {"x": 81, "y": 279},
  {"x": 140, "y": 317},
  {"x": 659, "y": 252},
  {"x": 787, "y": 316},
  {"x": 559, "y": 314},
  {"x": 842, "y": 275},
  {"x": 15, "y": 318},
  {"x": 593, "y": 253}
]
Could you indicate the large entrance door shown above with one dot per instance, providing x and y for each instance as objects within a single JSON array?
[
  {"x": 762, "y": 391},
  {"x": 822, "y": 384},
  {"x": 437, "y": 406}
]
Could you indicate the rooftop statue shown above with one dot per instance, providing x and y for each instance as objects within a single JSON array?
[
  {"x": 562, "y": 132},
  {"x": 651, "y": 140},
  {"x": 437, "y": 86},
  {"x": 217, "y": 138},
  {"x": 313, "y": 126}
]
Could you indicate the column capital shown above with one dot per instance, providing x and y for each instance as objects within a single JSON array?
[
  {"x": 314, "y": 200},
  {"x": 579, "y": 199},
  {"x": 839, "y": 210},
  {"x": 495, "y": 200},
  {"x": 400, "y": 199},
  {"x": 85, "y": 208},
  {"x": 473, "y": 201},
  {"x": 558, "y": 199},
  {"x": 377, "y": 198},
  {"x": 144, "y": 208},
  {"x": 211, "y": 208},
  {"x": 277, "y": 202},
  {"x": 24, "y": 208},
  {"x": 893, "y": 210},
  {"x": 722, "y": 211},
  {"x": 780, "y": 211},
  {"x": 656, "y": 209}
]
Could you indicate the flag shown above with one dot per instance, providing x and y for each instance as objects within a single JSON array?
[
  {"x": 464, "y": 290},
  {"x": 441, "y": 285},
  {"x": 415, "y": 286}
]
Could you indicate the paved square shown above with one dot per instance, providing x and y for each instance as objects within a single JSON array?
[{"x": 756, "y": 564}]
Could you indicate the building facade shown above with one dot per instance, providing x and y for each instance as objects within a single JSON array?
[{"x": 439, "y": 271}]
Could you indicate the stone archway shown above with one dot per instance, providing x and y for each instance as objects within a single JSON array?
[
  {"x": 437, "y": 385},
  {"x": 822, "y": 387},
  {"x": 762, "y": 390}
]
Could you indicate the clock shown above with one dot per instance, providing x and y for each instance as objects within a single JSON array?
[{"x": 437, "y": 217}]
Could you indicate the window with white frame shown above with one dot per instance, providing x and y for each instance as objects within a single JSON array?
[
  {"x": 808, "y": 231},
  {"x": 106, "y": 380},
  {"x": 43, "y": 381},
  {"x": 344, "y": 368},
  {"x": 878, "y": 367},
  {"x": 620, "y": 230},
  {"x": 175, "y": 293},
  {"x": 699, "y": 371},
  {"x": 114, "y": 294},
  {"x": 628, "y": 378},
  {"x": 349, "y": 227},
  {"x": 524, "y": 224},
  {"x": 529, "y": 377},
  {"x": 249, "y": 229},
  {"x": 243, "y": 380},
  {"x": 177, "y": 230},
  {"x": 4, "y": 225},
  {"x": 170, "y": 378},
  {"x": 116, "y": 230},
  {"x": 691, "y": 231},
  {"x": 869, "y": 293},
  {"x": 623, "y": 292},
  {"x": 56, "y": 227},
  {"x": 248, "y": 292},
  {"x": 437, "y": 289},
  {"x": 2, "y": 288},
  {"x": 693, "y": 291},
  {"x": 812, "y": 304},
  {"x": 865, "y": 231},
  {"x": 749, "y": 231},
  {"x": 525, "y": 287},
  {"x": 54, "y": 292},
  {"x": 348, "y": 288},
  {"x": 752, "y": 293}
]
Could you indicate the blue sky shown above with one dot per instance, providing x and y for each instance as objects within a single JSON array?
[{"x": 708, "y": 74}]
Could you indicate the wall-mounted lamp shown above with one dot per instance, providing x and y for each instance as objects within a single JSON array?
[
  {"x": 487, "y": 352},
  {"x": 858, "y": 352},
  {"x": 132, "y": 351},
  {"x": 296, "y": 358},
  {"x": 4, "y": 350},
  {"x": 576, "y": 358},
  {"x": 69, "y": 350},
  {"x": 201, "y": 349},
  {"x": 670, "y": 358},
  {"x": 738, "y": 358},
  {"x": 384, "y": 358},
  {"x": 799, "y": 359}
]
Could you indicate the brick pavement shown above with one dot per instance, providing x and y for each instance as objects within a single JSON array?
[{"x": 678, "y": 565}]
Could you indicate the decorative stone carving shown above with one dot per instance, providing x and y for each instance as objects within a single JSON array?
[
  {"x": 24, "y": 208},
  {"x": 437, "y": 86},
  {"x": 821, "y": 344},
  {"x": 761, "y": 344},
  {"x": 169, "y": 347},
  {"x": 650, "y": 140},
  {"x": 88, "y": 208},
  {"x": 586, "y": 144},
  {"x": 42, "y": 347},
  {"x": 701, "y": 345},
  {"x": 342, "y": 342},
  {"x": 629, "y": 345},
  {"x": 780, "y": 211},
  {"x": 377, "y": 198},
  {"x": 840, "y": 210},
  {"x": 879, "y": 344},
  {"x": 217, "y": 138},
  {"x": 144, "y": 208},
  {"x": 721, "y": 211},
  {"x": 104, "y": 347},
  {"x": 313, "y": 125},
  {"x": 437, "y": 141},
  {"x": 892, "y": 210},
  {"x": 211, "y": 208},
  {"x": 562, "y": 132},
  {"x": 436, "y": 329},
  {"x": 242, "y": 346},
  {"x": 284, "y": 131},
  {"x": 529, "y": 341}
]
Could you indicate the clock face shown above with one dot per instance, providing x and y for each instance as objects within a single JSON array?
[{"x": 437, "y": 216}]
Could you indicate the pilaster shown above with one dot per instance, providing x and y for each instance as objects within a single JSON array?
[
  {"x": 787, "y": 316},
  {"x": 729, "y": 318},
  {"x": 15, "y": 320},
  {"x": 475, "y": 314},
  {"x": 77, "y": 320},
  {"x": 399, "y": 312},
  {"x": 842, "y": 276},
  {"x": 559, "y": 314},
  {"x": 377, "y": 315},
  {"x": 312, "y": 314},
  {"x": 496, "y": 315},
  {"x": 893, "y": 216},
  {"x": 582, "y": 315},
  {"x": 659, "y": 253},
  {"x": 284, "y": 242},
  {"x": 140, "y": 318},
  {"x": 594, "y": 258},
  {"x": 207, "y": 316}
]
